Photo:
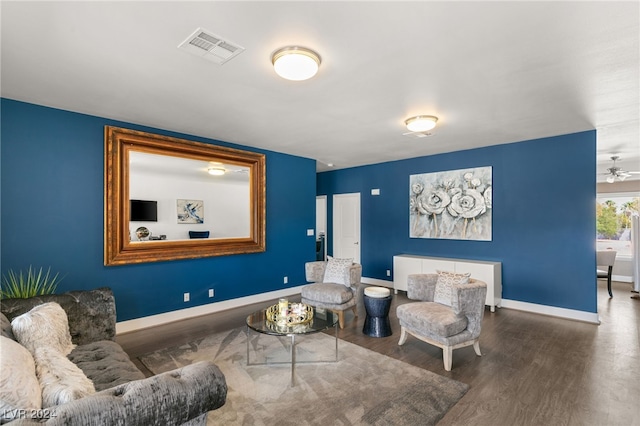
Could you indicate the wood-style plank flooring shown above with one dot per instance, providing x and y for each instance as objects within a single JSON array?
[{"x": 535, "y": 370}]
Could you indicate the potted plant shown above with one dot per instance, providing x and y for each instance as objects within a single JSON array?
[{"x": 33, "y": 282}]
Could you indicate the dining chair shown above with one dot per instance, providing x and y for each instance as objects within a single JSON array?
[{"x": 606, "y": 259}]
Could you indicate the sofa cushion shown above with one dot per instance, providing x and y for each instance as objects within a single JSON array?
[
  {"x": 327, "y": 293},
  {"x": 105, "y": 363},
  {"x": 44, "y": 325},
  {"x": 60, "y": 379},
  {"x": 431, "y": 318},
  {"x": 444, "y": 285},
  {"x": 19, "y": 387},
  {"x": 337, "y": 271}
]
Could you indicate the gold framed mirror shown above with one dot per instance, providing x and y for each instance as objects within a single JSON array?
[{"x": 167, "y": 198}]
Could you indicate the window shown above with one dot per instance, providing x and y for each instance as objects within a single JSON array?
[{"x": 613, "y": 222}]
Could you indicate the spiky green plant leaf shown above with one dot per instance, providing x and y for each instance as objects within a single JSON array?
[{"x": 22, "y": 285}]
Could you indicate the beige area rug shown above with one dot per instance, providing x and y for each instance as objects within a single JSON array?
[{"x": 361, "y": 388}]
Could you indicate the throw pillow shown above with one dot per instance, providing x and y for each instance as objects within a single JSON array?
[
  {"x": 19, "y": 387},
  {"x": 44, "y": 325},
  {"x": 444, "y": 284},
  {"x": 60, "y": 379},
  {"x": 5, "y": 324},
  {"x": 337, "y": 271}
]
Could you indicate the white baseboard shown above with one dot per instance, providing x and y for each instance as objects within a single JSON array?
[
  {"x": 553, "y": 311},
  {"x": 167, "y": 317},
  {"x": 622, "y": 278}
]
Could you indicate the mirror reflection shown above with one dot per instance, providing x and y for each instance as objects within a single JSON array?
[
  {"x": 173, "y": 198},
  {"x": 168, "y": 198}
]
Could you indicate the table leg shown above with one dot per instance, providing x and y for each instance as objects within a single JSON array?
[
  {"x": 292, "y": 353},
  {"x": 293, "y": 360},
  {"x": 248, "y": 338}
]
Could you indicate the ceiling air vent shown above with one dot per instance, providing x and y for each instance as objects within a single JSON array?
[{"x": 210, "y": 46}]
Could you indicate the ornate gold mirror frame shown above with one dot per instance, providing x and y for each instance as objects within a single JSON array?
[{"x": 119, "y": 248}]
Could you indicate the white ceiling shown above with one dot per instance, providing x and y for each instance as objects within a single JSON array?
[
  {"x": 493, "y": 72},
  {"x": 145, "y": 163}
]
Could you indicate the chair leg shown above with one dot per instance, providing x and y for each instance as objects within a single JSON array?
[
  {"x": 403, "y": 336},
  {"x": 341, "y": 319},
  {"x": 609, "y": 281},
  {"x": 476, "y": 347},
  {"x": 447, "y": 355},
  {"x": 355, "y": 311}
]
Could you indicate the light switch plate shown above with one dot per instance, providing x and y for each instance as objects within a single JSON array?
[{"x": 310, "y": 232}]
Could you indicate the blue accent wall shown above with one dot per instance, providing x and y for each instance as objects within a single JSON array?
[
  {"x": 544, "y": 194},
  {"x": 52, "y": 172}
]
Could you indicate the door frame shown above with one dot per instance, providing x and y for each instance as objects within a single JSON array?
[{"x": 322, "y": 199}]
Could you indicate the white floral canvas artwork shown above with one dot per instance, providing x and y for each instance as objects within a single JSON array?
[{"x": 453, "y": 204}]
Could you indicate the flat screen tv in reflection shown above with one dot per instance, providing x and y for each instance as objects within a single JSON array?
[{"x": 144, "y": 211}]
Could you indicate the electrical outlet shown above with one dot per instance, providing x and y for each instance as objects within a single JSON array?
[
  {"x": 286, "y": 280},
  {"x": 186, "y": 297},
  {"x": 210, "y": 292},
  {"x": 388, "y": 272}
]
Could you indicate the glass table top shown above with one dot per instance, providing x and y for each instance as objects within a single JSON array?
[{"x": 324, "y": 320}]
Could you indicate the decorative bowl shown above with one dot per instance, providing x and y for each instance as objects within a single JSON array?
[{"x": 142, "y": 233}]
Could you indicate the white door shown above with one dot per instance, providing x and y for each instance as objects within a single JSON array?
[{"x": 346, "y": 226}]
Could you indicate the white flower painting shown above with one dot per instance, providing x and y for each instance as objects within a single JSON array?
[{"x": 454, "y": 204}]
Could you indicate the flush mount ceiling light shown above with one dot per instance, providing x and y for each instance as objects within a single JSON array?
[
  {"x": 421, "y": 123},
  {"x": 295, "y": 63},
  {"x": 216, "y": 171}
]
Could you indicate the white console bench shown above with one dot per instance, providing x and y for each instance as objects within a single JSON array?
[{"x": 489, "y": 272}]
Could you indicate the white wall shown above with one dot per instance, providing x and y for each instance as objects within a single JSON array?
[
  {"x": 226, "y": 204},
  {"x": 623, "y": 270}
]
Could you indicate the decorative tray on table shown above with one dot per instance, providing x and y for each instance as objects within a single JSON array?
[{"x": 289, "y": 314}]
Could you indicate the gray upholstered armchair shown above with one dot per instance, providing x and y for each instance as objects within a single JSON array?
[
  {"x": 335, "y": 289},
  {"x": 447, "y": 326}
]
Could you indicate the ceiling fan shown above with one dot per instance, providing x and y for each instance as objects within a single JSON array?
[{"x": 614, "y": 172}]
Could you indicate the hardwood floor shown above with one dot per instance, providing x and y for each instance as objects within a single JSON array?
[{"x": 535, "y": 370}]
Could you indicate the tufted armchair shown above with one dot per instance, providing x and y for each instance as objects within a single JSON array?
[
  {"x": 335, "y": 289},
  {"x": 447, "y": 326}
]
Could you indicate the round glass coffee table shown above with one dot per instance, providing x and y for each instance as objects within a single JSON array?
[{"x": 258, "y": 323}]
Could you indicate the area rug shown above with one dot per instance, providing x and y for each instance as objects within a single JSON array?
[{"x": 361, "y": 388}]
